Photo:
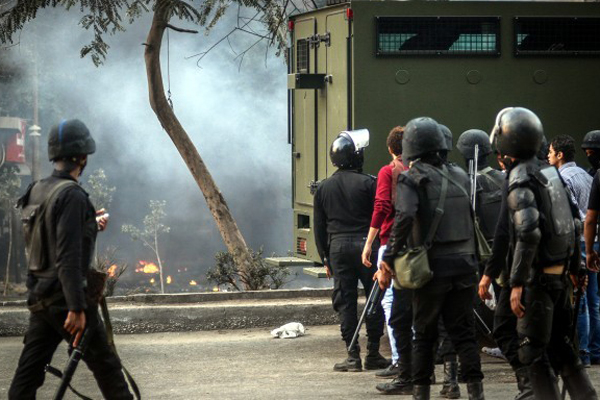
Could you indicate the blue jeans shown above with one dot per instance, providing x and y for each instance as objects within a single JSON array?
[
  {"x": 588, "y": 319},
  {"x": 386, "y": 303}
]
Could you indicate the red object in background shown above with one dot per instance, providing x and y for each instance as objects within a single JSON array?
[{"x": 15, "y": 145}]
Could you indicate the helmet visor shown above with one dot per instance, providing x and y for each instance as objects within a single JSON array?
[{"x": 360, "y": 138}]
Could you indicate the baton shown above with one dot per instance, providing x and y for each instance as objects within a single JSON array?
[{"x": 370, "y": 307}]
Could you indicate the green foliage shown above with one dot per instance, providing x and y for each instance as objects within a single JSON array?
[
  {"x": 259, "y": 276},
  {"x": 153, "y": 225},
  {"x": 101, "y": 194},
  {"x": 10, "y": 185},
  {"x": 106, "y": 17}
]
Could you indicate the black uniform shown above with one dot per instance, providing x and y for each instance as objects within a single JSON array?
[
  {"x": 451, "y": 258},
  {"x": 71, "y": 239},
  {"x": 343, "y": 206},
  {"x": 543, "y": 234}
]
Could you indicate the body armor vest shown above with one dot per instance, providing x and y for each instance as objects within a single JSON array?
[
  {"x": 455, "y": 234},
  {"x": 489, "y": 199},
  {"x": 40, "y": 230},
  {"x": 556, "y": 221}
]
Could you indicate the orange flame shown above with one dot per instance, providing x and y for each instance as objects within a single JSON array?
[
  {"x": 216, "y": 289},
  {"x": 112, "y": 271},
  {"x": 193, "y": 283},
  {"x": 147, "y": 267},
  {"x": 152, "y": 281},
  {"x": 169, "y": 280}
]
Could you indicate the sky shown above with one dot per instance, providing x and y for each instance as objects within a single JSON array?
[{"x": 235, "y": 115}]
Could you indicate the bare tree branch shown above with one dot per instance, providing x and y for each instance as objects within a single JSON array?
[{"x": 180, "y": 29}]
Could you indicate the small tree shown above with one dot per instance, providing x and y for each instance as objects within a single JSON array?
[
  {"x": 153, "y": 228},
  {"x": 101, "y": 194},
  {"x": 259, "y": 276},
  {"x": 10, "y": 183}
]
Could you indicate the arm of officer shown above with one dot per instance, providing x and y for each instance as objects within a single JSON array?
[
  {"x": 497, "y": 261},
  {"x": 589, "y": 233},
  {"x": 591, "y": 225},
  {"x": 320, "y": 224},
  {"x": 70, "y": 222},
  {"x": 525, "y": 216}
]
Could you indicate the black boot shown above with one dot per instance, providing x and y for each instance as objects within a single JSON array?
[
  {"x": 475, "y": 390},
  {"x": 390, "y": 372},
  {"x": 397, "y": 386},
  {"x": 524, "y": 384},
  {"x": 543, "y": 382},
  {"x": 450, "y": 388},
  {"x": 578, "y": 383},
  {"x": 350, "y": 364},
  {"x": 374, "y": 360},
  {"x": 421, "y": 392}
]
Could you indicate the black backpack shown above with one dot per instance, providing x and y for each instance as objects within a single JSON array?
[{"x": 36, "y": 218}]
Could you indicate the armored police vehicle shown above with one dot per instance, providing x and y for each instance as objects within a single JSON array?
[{"x": 378, "y": 64}]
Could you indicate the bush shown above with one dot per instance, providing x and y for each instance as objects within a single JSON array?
[
  {"x": 108, "y": 263},
  {"x": 260, "y": 274}
]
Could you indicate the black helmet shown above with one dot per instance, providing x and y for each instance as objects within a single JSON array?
[
  {"x": 68, "y": 139},
  {"x": 347, "y": 150},
  {"x": 518, "y": 133},
  {"x": 591, "y": 140},
  {"x": 447, "y": 136},
  {"x": 421, "y": 136},
  {"x": 467, "y": 141}
]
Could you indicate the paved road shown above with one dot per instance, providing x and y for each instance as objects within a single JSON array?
[{"x": 243, "y": 364}]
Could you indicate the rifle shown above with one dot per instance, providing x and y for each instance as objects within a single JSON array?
[
  {"x": 370, "y": 307},
  {"x": 67, "y": 375}
]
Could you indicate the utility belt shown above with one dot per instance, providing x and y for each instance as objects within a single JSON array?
[
  {"x": 347, "y": 235},
  {"x": 555, "y": 279},
  {"x": 46, "y": 302}
]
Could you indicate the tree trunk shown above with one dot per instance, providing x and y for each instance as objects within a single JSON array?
[
  {"x": 214, "y": 199},
  {"x": 10, "y": 245},
  {"x": 160, "y": 266}
]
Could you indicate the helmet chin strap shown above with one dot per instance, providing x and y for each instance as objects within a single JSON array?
[{"x": 82, "y": 164}]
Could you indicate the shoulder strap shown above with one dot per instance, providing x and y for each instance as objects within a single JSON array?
[
  {"x": 56, "y": 190},
  {"x": 111, "y": 343},
  {"x": 445, "y": 174},
  {"x": 439, "y": 210},
  {"x": 485, "y": 172}
]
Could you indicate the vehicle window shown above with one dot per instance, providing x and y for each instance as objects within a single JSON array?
[
  {"x": 557, "y": 36},
  {"x": 438, "y": 36}
]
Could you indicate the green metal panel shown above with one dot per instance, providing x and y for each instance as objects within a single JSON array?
[
  {"x": 461, "y": 92},
  {"x": 391, "y": 90}
]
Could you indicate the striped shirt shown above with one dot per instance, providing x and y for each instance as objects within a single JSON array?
[{"x": 579, "y": 183}]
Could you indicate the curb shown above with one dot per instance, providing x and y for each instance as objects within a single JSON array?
[{"x": 198, "y": 312}]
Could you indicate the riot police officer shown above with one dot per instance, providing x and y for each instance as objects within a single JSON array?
[
  {"x": 542, "y": 251},
  {"x": 451, "y": 253},
  {"x": 489, "y": 180},
  {"x": 343, "y": 206},
  {"x": 591, "y": 146},
  {"x": 57, "y": 283}
]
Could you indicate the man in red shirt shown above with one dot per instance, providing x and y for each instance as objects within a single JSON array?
[{"x": 381, "y": 222}]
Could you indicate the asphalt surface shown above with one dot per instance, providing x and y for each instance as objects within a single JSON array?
[{"x": 244, "y": 364}]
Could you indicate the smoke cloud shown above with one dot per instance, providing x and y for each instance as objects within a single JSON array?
[{"x": 235, "y": 116}]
